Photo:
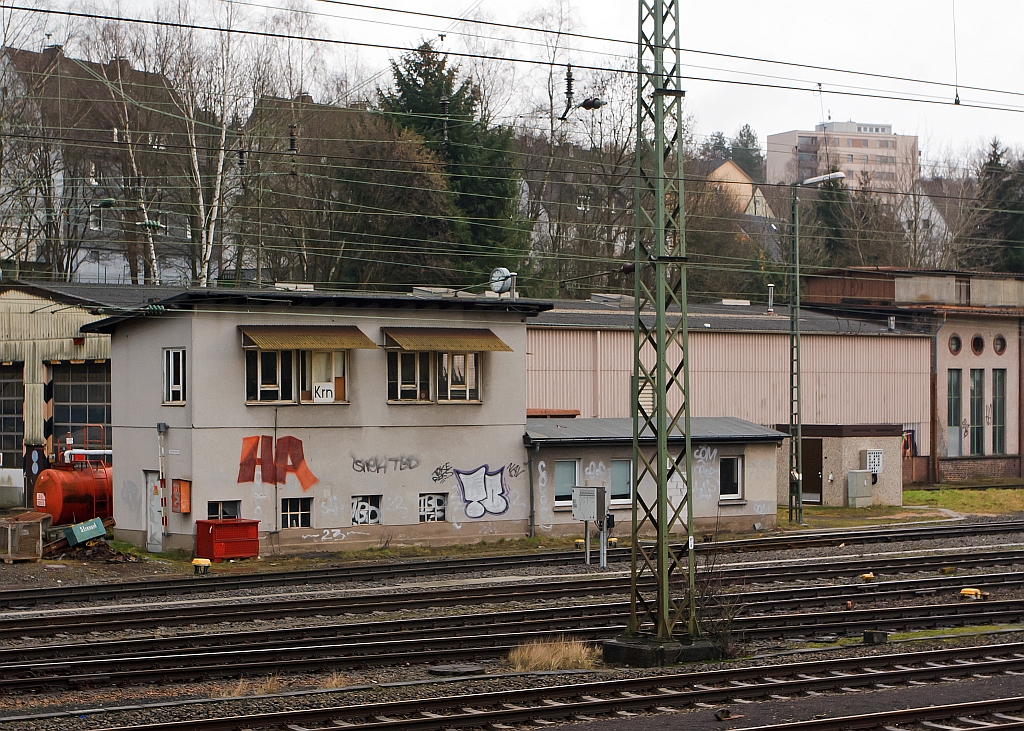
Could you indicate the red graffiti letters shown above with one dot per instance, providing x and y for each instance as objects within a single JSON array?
[{"x": 275, "y": 463}]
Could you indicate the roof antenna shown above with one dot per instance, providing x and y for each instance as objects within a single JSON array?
[{"x": 956, "y": 64}]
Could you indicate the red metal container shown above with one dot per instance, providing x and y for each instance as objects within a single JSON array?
[
  {"x": 75, "y": 493},
  {"x": 227, "y": 538}
]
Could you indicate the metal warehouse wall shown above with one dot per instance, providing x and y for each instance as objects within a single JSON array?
[
  {"x": 34, "y": 330},
  {"x": 847, "y": 379}
]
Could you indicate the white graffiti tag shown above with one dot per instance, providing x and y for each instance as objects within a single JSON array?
[{"x": 483, "y": 491}]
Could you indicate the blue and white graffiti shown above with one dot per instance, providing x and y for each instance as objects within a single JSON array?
[{"x": 483, "y": 491}]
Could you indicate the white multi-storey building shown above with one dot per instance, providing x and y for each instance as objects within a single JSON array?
[{"x": 870, "y": 154}]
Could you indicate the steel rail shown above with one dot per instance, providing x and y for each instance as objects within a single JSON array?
[
  {"x": 994, "y": 712},
  {"x": 482, "y": 641},
  {"x": 142, "y": 617},
  {"x": 586, "y": 700},
  {"x": 222, "y": 581},
  {"x": 749, "y": 602}
]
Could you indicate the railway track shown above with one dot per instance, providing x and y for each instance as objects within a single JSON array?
[
  {"x": 14, "y": 625},
  {"x": 472, "y": 637},
  {"x": 220, "y": 581},
  {"x": 754, "y": 603},
  {"x": 994, "y": 715},
  {"x": 666, "y": 693}
]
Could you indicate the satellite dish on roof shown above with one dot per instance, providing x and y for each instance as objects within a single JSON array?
[{"x": 501, "y": 280}]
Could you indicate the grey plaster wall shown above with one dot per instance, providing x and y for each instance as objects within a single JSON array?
[
  {"x": 710, "y": 514},
  {"x": 366, "y": 447},
  {"x": 839, "y": 456}
]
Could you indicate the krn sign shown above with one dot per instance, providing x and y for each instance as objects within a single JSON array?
[{"x": 323, "y": 393}]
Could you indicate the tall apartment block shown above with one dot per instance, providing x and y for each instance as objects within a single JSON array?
[{"x": 870, "y": 155}]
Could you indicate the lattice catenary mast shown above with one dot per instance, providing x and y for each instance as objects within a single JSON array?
[{"x": 661, "y": 403}]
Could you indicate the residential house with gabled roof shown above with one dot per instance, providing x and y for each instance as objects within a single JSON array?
[{"x": 95, "y": 169}]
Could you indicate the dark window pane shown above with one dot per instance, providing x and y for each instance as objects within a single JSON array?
[
  {"x": 424, "y": 363},
  {"x": 442, "y": 376},
  {"x": 251, "y": 384},
  {"x": 268, "y": 368},
  {"x": 392, "y": 375},
  {"x": 287, "y": 360}
]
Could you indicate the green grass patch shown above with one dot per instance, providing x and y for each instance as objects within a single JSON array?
[
  {"x": 818, "y": 516},
  {"x": 993, "y": 501},
  {"x": 930, "y": 634}
]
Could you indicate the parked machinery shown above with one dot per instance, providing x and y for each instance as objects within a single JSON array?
[{"x": 79, "y": 485}]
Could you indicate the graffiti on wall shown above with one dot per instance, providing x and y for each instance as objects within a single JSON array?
[
  {"x": 442, "y": 473},
  {"x": 276, "y": 461},
  {"x": 381, "y": 465},
  {"x": 483, "y": 491},
  {"x": 432, "y": 507},
  {"x": 596, "y": 473},
  {"x": 542, "y": 485},
  {"x": 706, "y": 475}
]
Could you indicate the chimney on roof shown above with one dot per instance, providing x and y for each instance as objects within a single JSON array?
[
  {"x": 51, "y": 52},
  {"x": 303, "y": 97},
  {"x": 120, "y": 67}
]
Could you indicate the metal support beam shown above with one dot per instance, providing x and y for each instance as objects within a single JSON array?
[
  {"x": 661, "y": 473},
  {"x": 796, "y": 427}
]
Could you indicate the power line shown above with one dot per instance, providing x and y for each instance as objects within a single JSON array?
[{"x": 533, "y": 62}]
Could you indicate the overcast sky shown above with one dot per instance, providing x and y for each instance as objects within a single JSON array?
[{"x": 905, "y": 38}]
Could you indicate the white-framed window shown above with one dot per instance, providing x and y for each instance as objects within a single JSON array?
[
  {"x": 322, "y": 376},
  {"x": 95, "y": 218},
  {"x": 366, "y": 509},
  {"x": 408, "y": 376},
  {"x": 268, "y": 375},
  {"x": 433, "y": 506},
  {"x": 297, "y": 512},
  {"x": 174, "y": 376},
  {"x": 458, "y": 377},
  {"x": 731, "y": 478},
  {"x": 566, "y": 473},
  {"x": 621, "y": 489},
  {"x": 223, "y": 509}
]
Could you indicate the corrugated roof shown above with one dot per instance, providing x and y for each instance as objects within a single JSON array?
[
  {"x": 127, "y": 296},
  {"x": 620, "y": 431},
  {"x": 305, "y": 337},
  {"x": 445, "y": 338}
]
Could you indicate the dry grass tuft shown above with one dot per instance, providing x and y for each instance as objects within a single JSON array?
[
  {"x": 266, "y": 686},
  {"x": 240, "y": 688},
  {"x": 336, "y": 680},
  {"x": 560, "y": 654}
]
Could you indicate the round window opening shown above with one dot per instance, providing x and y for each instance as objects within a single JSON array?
[
  {"x": 978, "y": 344},
  {"x": 954, "y": 344},
  {"x": 999, "y": 344}
]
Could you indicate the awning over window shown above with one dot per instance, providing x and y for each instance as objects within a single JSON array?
[
  {"x": 468, "y": 340},
  {"x": 305, "y": 337}
]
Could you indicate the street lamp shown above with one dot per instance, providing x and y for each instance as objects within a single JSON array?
[{"x": 796, "y": 427}]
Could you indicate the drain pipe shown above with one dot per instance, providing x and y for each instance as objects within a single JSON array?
[{"x": 530, "y": 454}]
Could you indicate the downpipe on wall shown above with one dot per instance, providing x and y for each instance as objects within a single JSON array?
[{"x": 530, "y": 454}]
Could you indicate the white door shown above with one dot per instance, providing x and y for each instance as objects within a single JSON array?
[{"x": 154, "y": 512}]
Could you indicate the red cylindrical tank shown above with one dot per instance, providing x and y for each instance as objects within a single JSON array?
[{"x": 74, "y": 495}]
